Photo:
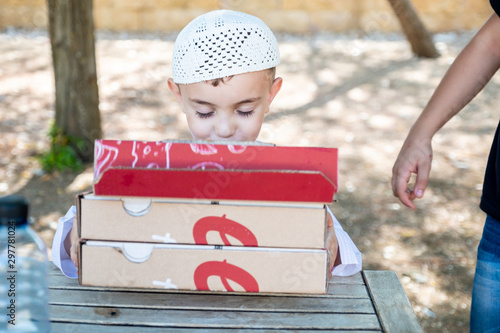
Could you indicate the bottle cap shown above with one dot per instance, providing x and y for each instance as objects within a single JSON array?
[{"x": 13, "y": 208}]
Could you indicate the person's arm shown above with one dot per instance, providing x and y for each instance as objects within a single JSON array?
[{"x": 465, "y": 78}]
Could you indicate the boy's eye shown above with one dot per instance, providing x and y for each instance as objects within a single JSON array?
[
  {"x": 245, "y": 113},
  {"x": 204, "y": 115}
]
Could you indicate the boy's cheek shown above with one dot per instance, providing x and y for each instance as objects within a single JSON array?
[
  {"x": 199, "y": 130},
  {"x": 257, "y": 127}
]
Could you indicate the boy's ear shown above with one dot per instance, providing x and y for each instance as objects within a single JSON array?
[
  {"x": 275, "y": 88},
  {"x": 174, "y": 88}
]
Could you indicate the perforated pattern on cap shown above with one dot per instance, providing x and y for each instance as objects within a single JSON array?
[{"x": 223, "y": 43}]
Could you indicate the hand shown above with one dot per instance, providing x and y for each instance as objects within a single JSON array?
[
  {"x": 332, "y": 246},
  {"x": 415, "y": 157},
  {"x": 75, "y": 243}
]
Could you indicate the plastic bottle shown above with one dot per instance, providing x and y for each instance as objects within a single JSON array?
[{"x": 24, "y": 305}]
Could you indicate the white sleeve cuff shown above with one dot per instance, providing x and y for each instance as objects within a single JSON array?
[{"x": 60, "y": 257}]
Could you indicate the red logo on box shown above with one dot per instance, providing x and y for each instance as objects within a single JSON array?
[
  {"x": 225, "y": 227},
  {"x": 225, "y": 271}
]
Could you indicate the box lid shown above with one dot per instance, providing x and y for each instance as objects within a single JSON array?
[{"x": 215, "y": 170}]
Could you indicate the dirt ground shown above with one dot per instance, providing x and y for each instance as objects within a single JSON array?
[{"x": 357, "y": 93}]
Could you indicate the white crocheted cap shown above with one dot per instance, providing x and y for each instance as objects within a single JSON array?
[{"x": 223, "y": 43}]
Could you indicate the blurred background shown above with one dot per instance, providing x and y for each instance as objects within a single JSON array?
[
  {"x": 291, "y": 16},
  {"x": 351, "y": 81}
]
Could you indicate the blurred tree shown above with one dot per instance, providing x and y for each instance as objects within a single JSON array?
[
  {"x": 416, "y": 33},
  {"x": 71, "y": 28}
]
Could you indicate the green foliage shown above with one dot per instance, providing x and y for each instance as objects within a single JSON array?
[{"x": 63, "y": 154}]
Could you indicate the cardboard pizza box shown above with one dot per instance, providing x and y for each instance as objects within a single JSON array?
[
  {"x": 201, "y": 222},
  {"x": 214, "y": 171},
  {"x": 203, "y": 267}
]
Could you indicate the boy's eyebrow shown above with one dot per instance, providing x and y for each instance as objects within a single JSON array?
[
  {"x": 199, "y": 101},
  {"x": 249, "y": 100},
  {"x": 245, "y": 101}
]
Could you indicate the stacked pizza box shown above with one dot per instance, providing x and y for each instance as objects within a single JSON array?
[{"x": 214, "y": 216}]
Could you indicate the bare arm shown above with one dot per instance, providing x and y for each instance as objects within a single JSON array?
[{"x": 466, "y": 77}]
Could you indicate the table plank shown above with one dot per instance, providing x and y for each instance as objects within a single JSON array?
[
  {"x": 340, "y": 287},
  {"x": 211, "y": 319},
  {"x": 391, "y": 303},
  {"x": 85, "y": 328},
  {"x": 152, "y": 300},
  {"x": 335, "y": 290}
]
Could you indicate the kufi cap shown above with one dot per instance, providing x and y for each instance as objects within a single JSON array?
[{"x": 223, "y": 43}]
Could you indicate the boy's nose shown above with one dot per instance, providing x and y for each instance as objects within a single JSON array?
[{"x": 225, "y": 127}]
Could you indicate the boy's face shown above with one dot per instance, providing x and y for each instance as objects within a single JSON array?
[{"x": 233, "y": 110}]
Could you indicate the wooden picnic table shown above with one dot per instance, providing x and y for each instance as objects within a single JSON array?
[{"x": 367, "y": 301}]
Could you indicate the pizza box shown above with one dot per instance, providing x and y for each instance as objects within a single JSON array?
[
  {"x": 203, "y": 267},
  {"x": 241, "y": 223}
]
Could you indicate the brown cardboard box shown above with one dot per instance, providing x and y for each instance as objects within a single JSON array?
[
  {"x": 203, "y": 267},
  {"x": 156, "y": 221}
]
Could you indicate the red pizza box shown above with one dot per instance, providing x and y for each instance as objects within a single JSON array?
[
  {"x": 240, "y": 224},
  {"x": 203, "y": 267},
  {"x": 214, "y": 171}
]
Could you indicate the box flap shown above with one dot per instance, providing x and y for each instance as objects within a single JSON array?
[
  {"x": 211, "y": 156},
  {"x": 266, "y": 185},
  {"x": 78, "y": 200}
]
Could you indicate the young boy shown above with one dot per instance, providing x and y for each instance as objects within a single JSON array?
[{"x": 224, "y": 78}]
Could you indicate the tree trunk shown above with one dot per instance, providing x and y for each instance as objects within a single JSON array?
[
  {"x": 71, "y": 28},
  {"x": 420, "y": 40}
]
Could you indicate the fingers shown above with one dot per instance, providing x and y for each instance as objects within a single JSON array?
[
  {"x": 329, "y": 220},
  {"x": 400, "y": 188},
  {"x": 331, "y": 247},
  {"x": 413, "y": 159},
  {"x": 407, "y": 198},
  {"x": 75, "y": 243},
  {"x": 422, "y": 179},
  {"x": 74, "y": 255}
]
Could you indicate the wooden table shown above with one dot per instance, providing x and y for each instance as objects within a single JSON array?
[{"x": 367, "y": 301}]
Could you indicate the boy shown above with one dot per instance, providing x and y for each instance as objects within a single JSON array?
[{"x": 224, "y": 78}]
